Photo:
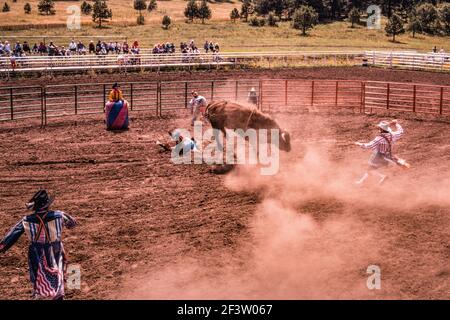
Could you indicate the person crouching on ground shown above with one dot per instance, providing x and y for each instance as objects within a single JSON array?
[
  {"x": 46, "y": 256},
  {"x": 382, "y": 150},
  {"x": 115, "y": 94},
  {"x": 198, "y": 104}
]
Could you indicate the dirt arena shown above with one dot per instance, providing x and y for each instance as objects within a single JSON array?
[{"x": 151, "y": 229}]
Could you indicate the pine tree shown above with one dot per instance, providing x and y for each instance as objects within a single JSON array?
[
  {"x": 305, "y": 18},
  {"x": 234, "y": 14},
  {"x": 140, "y": 5},
  {"x": 246, "y": 9},
  {"x": 166, "y": 21},
  {"x": 46, "y": 7},
  {"x": 394, "y": 26},
  {"x": 101, "y": 13},
  {"x": 271, "y": 20},
  {"x": 27, "y": 8},
  {"x": 6, "y": 7},
  {"x": 191, "y": 10},
  {"x": 413, "y": 24},
  {"x": 152, "y": 5},
  {"x": 204, "y": 12},
  {"x": 86, "y": 8},
  {"x": 354, "y": 16}
]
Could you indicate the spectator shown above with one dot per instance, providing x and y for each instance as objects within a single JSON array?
[
  {"x": 91, "y": 47},
  {"x": 42, "y": 48},
  {"x": 18, "y": 49},
  {"x": 52, "y": 50},
  {"x": 73, "y": 47},
  {"x": 2, "y": 48},
  {"x": 125, "y": 48},
  {"x": 211, "y": 47},
  {"x": 26, "y": 47},
  {"x": 206, "y": 46},
  {"x": 35, "y": 48}
]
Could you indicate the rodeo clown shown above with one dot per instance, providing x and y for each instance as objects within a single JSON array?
[
  {"x": 46, "y": 256},
  {"x": 382, "y": 150},
  {"x": 198, "y": 104},
  {"x": 116, "y": 110}
]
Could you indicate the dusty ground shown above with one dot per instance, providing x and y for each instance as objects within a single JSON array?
[
  {"x": 151, "y": 229},
  {"x": 345, "y": 73}
]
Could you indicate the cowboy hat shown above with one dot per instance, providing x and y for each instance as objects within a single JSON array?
[
  {"x": 384, "y": 125},
  {"x": 40, "y": 201}
]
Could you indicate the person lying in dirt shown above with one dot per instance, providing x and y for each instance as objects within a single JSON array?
[
  {"x": 46, "y": 255},
  {"x": 382, "y": 150},
  {"x": 187, "y": 145}
]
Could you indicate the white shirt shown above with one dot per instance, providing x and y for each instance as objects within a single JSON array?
[{"x": 199, "y": 101}]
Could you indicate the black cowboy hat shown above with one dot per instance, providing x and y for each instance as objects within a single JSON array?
[
  {"x": 40, "y": 201},
  {"x": 115, "y": 85}
]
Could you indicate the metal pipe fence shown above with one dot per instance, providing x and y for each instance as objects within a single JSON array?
[{"x": 274, "y": 95}]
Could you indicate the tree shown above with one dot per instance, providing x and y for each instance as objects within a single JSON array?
[
  {"x": 27, "y": 8},
  {"x": 394, "y": 26},
  {"x": 140, "y": 5},
  {"x": 152, "y": 5},
  {"x": 271, "y": 20},
  {"x": 305, "y": 18},
  {"x": 354, "y": 16},
  {"x": 46, "y": 7},
  {"x": 234, "y": 14},
  {"x": 166, "y": 21},
  {"x": 247, "y": 9},
  {"x": 101, "y": 13},
  {"x": 413, "y": 24},
  {"x": 444, "y": 16},
  {"x": 204, "y": 12},
  {"x": 191, "y": 10},
  {"x": 6, "y": 7},
  {"x": 86, "y": 8},
  {"x": 428, "y": 17}
]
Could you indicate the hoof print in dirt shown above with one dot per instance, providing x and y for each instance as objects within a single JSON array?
[{"x": 222, "y": 168}]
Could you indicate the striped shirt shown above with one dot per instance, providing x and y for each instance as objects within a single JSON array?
[{"x": 384, "y": 141}]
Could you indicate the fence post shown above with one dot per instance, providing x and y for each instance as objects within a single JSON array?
[
  {"x": 131, "y": 96},
  {"x": 186, "y": 94},
  {"x": 441, "y": 101},
  {"x": 363, "y": 98},
  {"x": 285, "y": 92},
  {"x": 158, "y": 103},
  {"x": 236, "y": 91},
  {"x": 212, "y": 90},
  {"x": 387, "y": 95},
  {"x": 260, "y": 100},
  {"x": 336, "y": 98},
  {"x": 414, "y": 98},
  {"x": 45, "y": 106},
  {"x": 42, "y": 107},
  {"x": 76, "y": 99},
  {"x": 312, "y": 93},
  {"x": 11, "y": 103},
  {"x": 104, "y": 97}
]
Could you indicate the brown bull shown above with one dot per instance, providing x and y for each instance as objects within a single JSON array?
[{"x": 224, "y": 114}]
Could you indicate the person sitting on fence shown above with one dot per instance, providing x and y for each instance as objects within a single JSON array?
[
  {"x": 46, "y": 255},
  {"x": 382, "y": 150},
  {"x": 198, "y": 104}
]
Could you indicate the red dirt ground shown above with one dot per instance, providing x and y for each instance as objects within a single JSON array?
[{"x": 151, "y": 229}]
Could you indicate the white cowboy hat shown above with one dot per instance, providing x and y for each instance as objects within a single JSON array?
[
  {"x": 252, "y": 90},
  {"x": 384, "y": 125}
]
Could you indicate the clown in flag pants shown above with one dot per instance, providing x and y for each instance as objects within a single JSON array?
[
  {"x": 46, "y": 256},
  {"x": 382, "y": 150}
]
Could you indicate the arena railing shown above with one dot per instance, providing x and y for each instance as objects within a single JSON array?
[
  {"x": 112, "y": 61},
  {"x": 273, "y": 95},
  {"x": 408, "y": 60}
]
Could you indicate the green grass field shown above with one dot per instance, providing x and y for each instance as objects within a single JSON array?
[{"x": 231, "y": 36}]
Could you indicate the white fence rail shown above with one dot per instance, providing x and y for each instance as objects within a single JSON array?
[
  {"x": 408, "y": 60},
  {"x": 112, "y": 61}
]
